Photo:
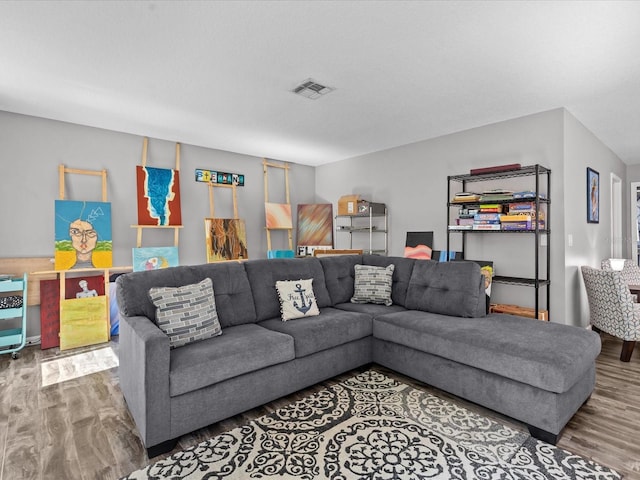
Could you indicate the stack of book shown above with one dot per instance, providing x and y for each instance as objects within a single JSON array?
[
  {"x": 466, "y": 197},
  {"x": 465, "y": 218},
  {"x": 522, "y": 216},
  {"x": 496, "y": 195},
  {"x": 488, "y": 218},
  {"x": 528, "y": 194}
]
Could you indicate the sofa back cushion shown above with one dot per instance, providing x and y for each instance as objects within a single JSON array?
[
  {"x": 339, "y": 276},
  {"x": 263, "y": 275},
  {"x": 401, "y": 274},
  {"x": 448, "y": 288},
  {"x": 233, "y": 296}
]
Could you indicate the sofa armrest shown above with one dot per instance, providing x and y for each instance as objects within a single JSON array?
[{"x": 144, "y": 377}]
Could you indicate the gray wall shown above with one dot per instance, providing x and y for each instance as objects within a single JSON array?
[
  {"x": 32, "y": 149},
  {"x": 412, "y": 181}
]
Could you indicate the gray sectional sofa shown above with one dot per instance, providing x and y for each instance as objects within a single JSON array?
[{"x": 436, "y": 331}]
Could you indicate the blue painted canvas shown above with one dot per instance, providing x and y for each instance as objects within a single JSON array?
[{"x": 154, "y": 258}]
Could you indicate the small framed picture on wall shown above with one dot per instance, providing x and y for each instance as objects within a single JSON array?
[{"x": 593, "y": 196}]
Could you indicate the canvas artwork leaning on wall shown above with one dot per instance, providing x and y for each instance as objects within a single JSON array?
[
  {"x": 158, "y": 196},
  {"x": 226, "y": 239},
  {"x": 82, "y": 235}
]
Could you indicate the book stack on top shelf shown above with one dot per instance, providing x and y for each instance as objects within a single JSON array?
[{"x": 496, "y": 195}]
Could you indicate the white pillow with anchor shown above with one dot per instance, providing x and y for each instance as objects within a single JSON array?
[{"x": 297, "y": 299}]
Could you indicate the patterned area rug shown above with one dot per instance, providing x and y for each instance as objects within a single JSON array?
[{"x": 373, "y": 427}]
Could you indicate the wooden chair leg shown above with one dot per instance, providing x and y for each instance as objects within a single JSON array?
[{"x": 627, "y": 350}]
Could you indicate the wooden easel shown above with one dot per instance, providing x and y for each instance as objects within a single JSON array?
[
  {"x": 233, "y": 188},
  {"x": 234, "y": 197},
  {"x": 141, "y": 228},
  {"x": 62, "y": 171},
  {"x": 284, "y": 166}
]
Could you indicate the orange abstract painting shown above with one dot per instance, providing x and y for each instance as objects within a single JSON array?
[{"x": 278, "y": 215}]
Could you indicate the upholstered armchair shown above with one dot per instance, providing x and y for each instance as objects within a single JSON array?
[
  {"x": 611, "y": 306},
  {"x": 630, "y": 270}
]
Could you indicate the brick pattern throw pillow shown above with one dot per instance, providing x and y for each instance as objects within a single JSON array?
[
  {"x": 186, "y": 314},
  {"x": 373, "y": 284},
  {"x": 297, "y": 299}
]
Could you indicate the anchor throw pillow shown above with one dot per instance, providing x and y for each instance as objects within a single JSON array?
[{"x": 296, "y": 299}]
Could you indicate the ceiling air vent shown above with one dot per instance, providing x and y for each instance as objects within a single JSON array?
[{"x": 311, "y": 89}]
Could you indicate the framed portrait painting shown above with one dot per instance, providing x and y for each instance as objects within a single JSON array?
[{"x": 593, "y": 196}]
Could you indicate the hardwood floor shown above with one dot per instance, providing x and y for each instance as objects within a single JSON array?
[{"x": 81, "y": 429}]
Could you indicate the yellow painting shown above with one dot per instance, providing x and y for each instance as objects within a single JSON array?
[
  {"x": 278, "y": 215},
  {"x": 83, "y": 321}
]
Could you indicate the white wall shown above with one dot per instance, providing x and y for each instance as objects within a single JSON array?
[
  {"x": 412, "y": 181},
  {"x": 591, "y": 242},
  {"x": 32, "y": 149}
]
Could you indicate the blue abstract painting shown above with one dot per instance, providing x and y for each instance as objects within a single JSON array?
[{"x": 158, "y": 196}]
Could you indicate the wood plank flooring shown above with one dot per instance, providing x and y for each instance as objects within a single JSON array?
[{"x": 81, "y": 428}]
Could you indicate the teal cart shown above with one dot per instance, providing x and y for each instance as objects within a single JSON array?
[{"x": 13, "y": 304}]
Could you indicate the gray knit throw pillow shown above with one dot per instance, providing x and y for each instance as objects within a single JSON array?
[
  {"x": 373, "y": 284},
  {"x": 186, "y": 314}
]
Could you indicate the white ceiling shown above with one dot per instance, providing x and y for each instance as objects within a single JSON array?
[{"x": 218, "y": 74}]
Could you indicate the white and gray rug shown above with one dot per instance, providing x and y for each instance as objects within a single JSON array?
[{"x": 373, "y": 427}]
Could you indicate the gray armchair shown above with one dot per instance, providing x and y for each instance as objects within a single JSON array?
[{"x": 611, "y": 306}]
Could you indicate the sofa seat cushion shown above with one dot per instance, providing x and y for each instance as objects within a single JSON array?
[
  {"x": 371, "y": 309},
  {"x": 546, "y": 355},
  {"x": 240, "y": 349},
  {"x": 331, "y": 328}
]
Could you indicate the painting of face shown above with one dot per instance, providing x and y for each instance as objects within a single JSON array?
[{"x": 83, "y": 235}]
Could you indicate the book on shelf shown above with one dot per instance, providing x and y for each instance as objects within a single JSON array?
[
  {"x": 460, "y": 227},
  {"x": 516, "y": 226},
  {"x": 468, "y": 197},
  {"x": 526, "y": 225},
  {"x": 486, "y": 226},
  {"x": 496, "y": 197},
  {"x": 486, "y": 222},
  {"x": 497, "y": 191},
  {"x": 521, "y": 217},
  {"x": 530, "y": 213},
  {"x": 522, "y": 206},
  {"x": 528, "y": 194},
  {"x": 464, "y": 221},
  {"x": 486, "y": 216}
]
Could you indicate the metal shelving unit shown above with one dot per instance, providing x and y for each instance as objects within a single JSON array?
[
  {"x": 365, "y": 224},
  {"x": 536, "y": 171}
]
